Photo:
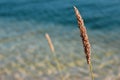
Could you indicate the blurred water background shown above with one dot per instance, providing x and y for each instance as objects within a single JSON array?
[{"x": 24, "y": 51}]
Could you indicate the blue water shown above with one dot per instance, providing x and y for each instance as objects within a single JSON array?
[
  {"x": 96, "y": 14},
  {"x": 23, "y": 24}
]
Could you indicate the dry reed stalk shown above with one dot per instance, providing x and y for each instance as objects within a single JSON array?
[
  {"x": 50, "y": 42},
  {"x": 53, "y": 51},
  {"x": 84, "y": 36},
  {"x": 85, "y": 40}
]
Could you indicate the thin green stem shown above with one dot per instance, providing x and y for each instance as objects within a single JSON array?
[
  {"x": 91, "y": 71},
  {"x": 58, "y": 66}
]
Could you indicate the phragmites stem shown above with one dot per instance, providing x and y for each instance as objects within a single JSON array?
[
  {"x": 84, "y": 36},
  {"x": 50, "y": 42},
  {"x": 85, "y": 40},
  {"x": 54, "y": 55}
]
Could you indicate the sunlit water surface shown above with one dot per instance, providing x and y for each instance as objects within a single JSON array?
[{"x": 24, "y": 51}]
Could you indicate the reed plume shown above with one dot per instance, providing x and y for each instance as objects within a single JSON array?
[
  {"x": 85, "y": 40},
  {"x": 84, "y": 36},
  {"x": 50, "y": 42},
  {"x": 54, "y": 55}
]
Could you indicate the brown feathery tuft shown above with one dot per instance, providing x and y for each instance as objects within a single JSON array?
[
  {"x": 50, "y": 42},
  {"x": 84, "y": 36}
]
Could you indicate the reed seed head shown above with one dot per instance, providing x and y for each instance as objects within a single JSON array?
[
  {"x": 84, "y": 36},
  {"x": 50, "y": 42}
]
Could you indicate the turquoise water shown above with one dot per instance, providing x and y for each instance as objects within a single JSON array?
[{"x": 24, "y": 51}]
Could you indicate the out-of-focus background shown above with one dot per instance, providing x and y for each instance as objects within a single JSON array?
[{"x": 24, "y": 51}]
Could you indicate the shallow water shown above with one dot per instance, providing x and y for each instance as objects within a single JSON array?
[{"x": 24, "y": 51}]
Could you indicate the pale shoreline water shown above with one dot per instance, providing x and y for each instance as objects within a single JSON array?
[
  {"x": 27, "y": 55},
  {"x": 24, "y": 51}
]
